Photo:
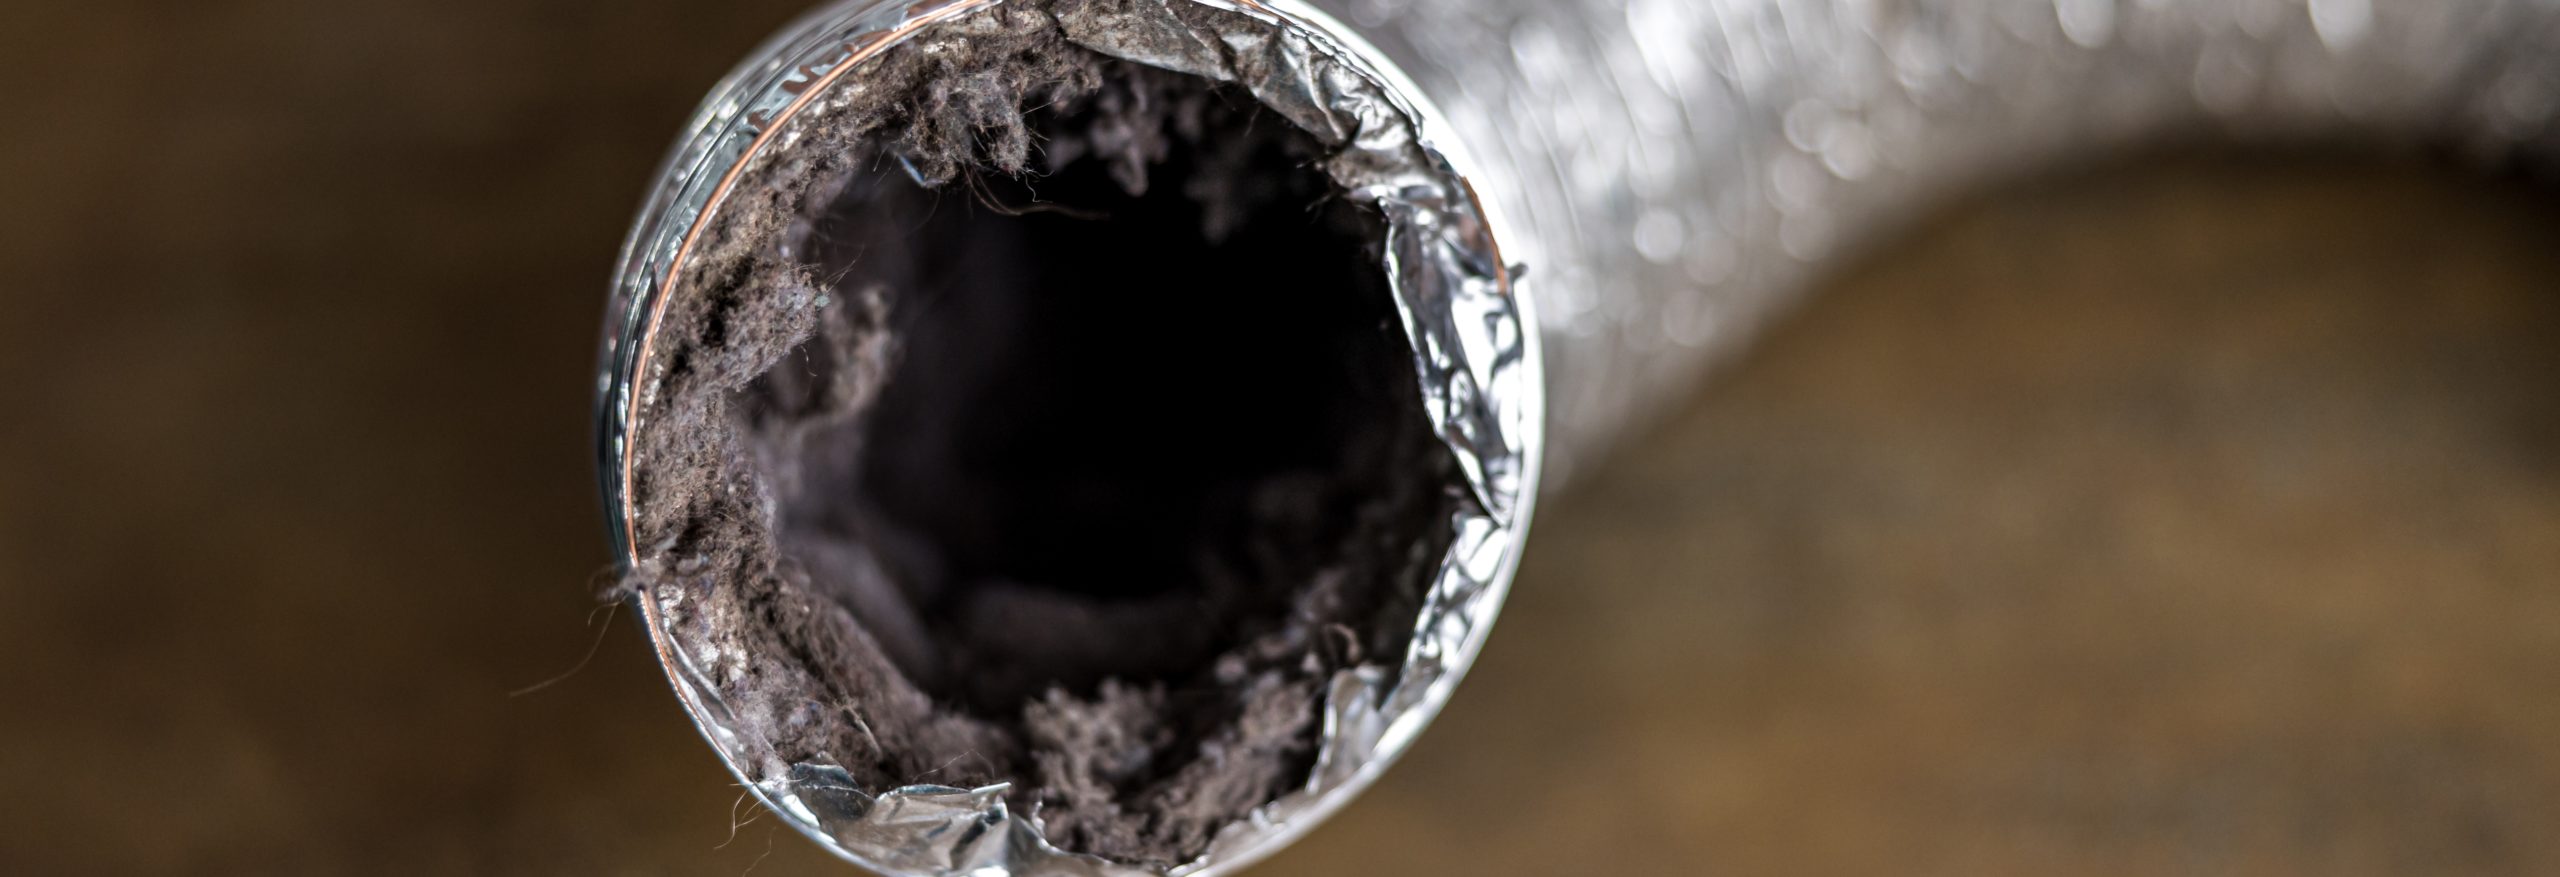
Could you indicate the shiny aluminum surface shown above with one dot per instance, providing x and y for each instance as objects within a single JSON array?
[
  {"x": 1673, "y": 173},
  {"x": 1689, "y": 166}
]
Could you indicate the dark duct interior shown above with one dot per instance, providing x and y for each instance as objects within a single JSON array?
[
  {"x": 1085, "y": 475},
  {"x": 1117, "y": 425}
]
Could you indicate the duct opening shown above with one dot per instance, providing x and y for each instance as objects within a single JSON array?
[{"x": 1067, "y": 436}]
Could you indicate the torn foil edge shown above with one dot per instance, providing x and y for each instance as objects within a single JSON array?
[{"x": 1475, "y": 356}]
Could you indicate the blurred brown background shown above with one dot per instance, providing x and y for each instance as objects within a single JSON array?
[{"x": 2200, "y": 515}]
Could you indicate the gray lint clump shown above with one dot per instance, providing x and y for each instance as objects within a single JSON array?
[{"x": 1039, "y": 417}]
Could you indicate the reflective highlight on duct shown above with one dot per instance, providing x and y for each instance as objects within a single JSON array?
[{"x": 1685, "y": 167}]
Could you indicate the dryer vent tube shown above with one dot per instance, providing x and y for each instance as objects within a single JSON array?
[
  {"x": 1093, "y": 436},
  {"x": 1068, "y": 436}
]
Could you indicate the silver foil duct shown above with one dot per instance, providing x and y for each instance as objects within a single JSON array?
[
  {"x": 1474, "y": 356},
  {"x": 1687, "y": 166},
  {"x": 1657, "y": 176}
]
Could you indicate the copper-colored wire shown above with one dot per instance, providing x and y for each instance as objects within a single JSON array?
[{"x": 867, "y": 46}]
